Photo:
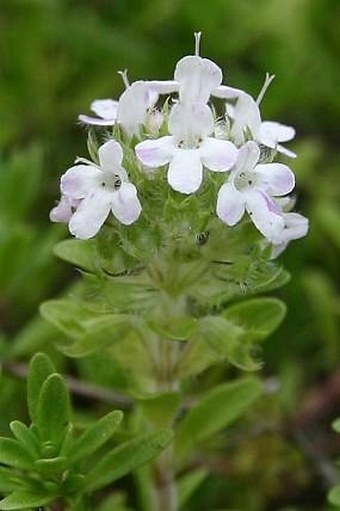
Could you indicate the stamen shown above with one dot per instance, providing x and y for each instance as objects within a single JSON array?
[
  {"x": 197, "y": 43},
  {"x": 267, "y": 81},
  {"x": 124, "y": 76}
]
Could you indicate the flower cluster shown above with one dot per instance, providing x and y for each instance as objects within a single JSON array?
[{"x": 187, "y": 126}]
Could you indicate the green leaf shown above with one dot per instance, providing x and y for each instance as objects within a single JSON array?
[
  {"x": 9, "y": 480},
  {"x": 25, "y": 437},
  {"x": 99, "y": 333},
  {"x": 25, "y": 500},
  {"x": 67, "y": 315},
  {"x": 127, "y": 457},
  {"x": 50, "y": 466},
  {"x": 39, "y": 369},
  {"x": 80, "y": 253},
  {"x": 227, "y": 340},
  {"x": 258, "y": 317},
  {"x": 160, "y": 408},
  {"x": 53, "y": 412},
  {"x": 336, "y": 425},
  {"x": 216, "y": 410},
  {"x": 95, "y": 436},
  {"x": 188, "y": 484},
  {"x": 334, "y": 495},
  {"x": 12, "y": 453}
]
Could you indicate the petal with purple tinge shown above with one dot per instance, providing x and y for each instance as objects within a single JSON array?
[
  {"x": 110, "y": 155},
  {"x": 79, "y": 181},
  {"x": 265, "y": 214},
  {"x": 247, "y": 157},
  {"x": 230, "y": 204},
  {"x": 185, "y": 172},
  {"x": 90, "y": 215},
  {"x": 63, "y": 211},
  {"x": 218, "y": 155},
  {"x": 155, "y": 153},
  {"x": 125, "y": 204},
  {"x": 275, "y": 178}
]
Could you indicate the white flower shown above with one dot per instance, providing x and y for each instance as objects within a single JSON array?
[
  {"x": 271, "y": 133},
  {"x": 134, "y": 105},
  {"x": 296, "y": 227},
  {"x": 106, "y": 109},
  {"x": 251, "y": 188},
  {"x": 188, "y": 148},
  {"x": 99, "y": 190},
  {"x": 246, "y": 118}
]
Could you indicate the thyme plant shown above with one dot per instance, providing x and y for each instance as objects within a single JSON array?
[{"x": 178, "y": 217}]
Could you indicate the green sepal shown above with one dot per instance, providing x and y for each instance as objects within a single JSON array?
[
  {"x": 9, "y": 481},
  {"x": 25, "y": 437},
  {"x": 14, "y": 454},
  {"x": 40, "y": 368},
  {"x": 216, "y": 410},
  {"x": 127, "y": 457},
  {"x": 53, "y": 411},
  {"x": 95, "y": 436},
  {"x": 25, "y": 500}
]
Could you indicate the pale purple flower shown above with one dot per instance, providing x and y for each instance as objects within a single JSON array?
[
  {"x": 253, "y": 187},
  {"x": 63, "y": 211},
  {"x": 188, "y": 149},
  {"x": 97, "y": 190},
  {"x": 106, "y": 110}
]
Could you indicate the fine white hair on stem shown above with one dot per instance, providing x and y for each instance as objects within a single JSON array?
[
  {"x": 267, "y": 81},
  {"x": 124, "y": 75},
  {"x": 197, "y": 36}
]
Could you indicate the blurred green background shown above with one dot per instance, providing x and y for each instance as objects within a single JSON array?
[{"x": 58, "y": 55}]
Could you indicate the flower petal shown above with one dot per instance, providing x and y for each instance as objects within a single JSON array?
[
  {"x": 63, "y": 211},
  {"x": 133, "y": 106},
  {"x": 197, "y": 78},
  {"x": 90, "y": 214},
  {"x": 218, "y": 155},
  {"x": 275, "y": 132},
  {"x": 245, "y": 113},
  {"x": 79, "y": 181},
  {"x": 155, "y": 153},
  {"x": 185, "y": 172},
  {"x": 105, "y": 108},
  {"x": 191, "y": 122},
  {"x": 110, "y": 155},
  {"x": 283, "y": 150},
  {"x": 274, "y": 178},
  {"x": 265, "y": 214},
  {"x": 230, "y": 204},
  {"x": 95, "y": 121},
  {"x": 248, "y": 156},
  {"x": 125, "y": 204}
]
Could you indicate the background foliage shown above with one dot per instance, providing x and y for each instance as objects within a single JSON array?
[{"x": 58, "y": 55}]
